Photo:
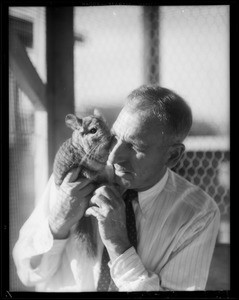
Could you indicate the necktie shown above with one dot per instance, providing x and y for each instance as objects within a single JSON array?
[
  {"x": 105, "y": 283},
  {"x": 128, "y": 197}
]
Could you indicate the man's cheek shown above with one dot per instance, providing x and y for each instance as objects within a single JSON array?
[{"x": 140, "y": 158}]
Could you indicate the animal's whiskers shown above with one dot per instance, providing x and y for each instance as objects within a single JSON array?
[{"x": 92, "y": 155}]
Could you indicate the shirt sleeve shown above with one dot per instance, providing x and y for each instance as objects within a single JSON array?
[
  {"x": 129, "y": 274},
  {"x": 35, "y": 239},
  {"x": 186, "y": 269},
  {"x": 188, "y": 266}
]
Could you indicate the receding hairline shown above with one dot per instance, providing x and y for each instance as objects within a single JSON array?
[{"x": 165, "y": 105}]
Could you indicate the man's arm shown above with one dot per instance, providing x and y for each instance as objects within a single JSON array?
[
  {"x": 72, "y": 201},
  {"x": 43, "y": 237},
  {"x": 109, "y": 209},
  {"x": 35, "y": 240},
  {"x": 187, "y": 267}
]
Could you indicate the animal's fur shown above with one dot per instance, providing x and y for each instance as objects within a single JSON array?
[{"x": 88, "y": 148}]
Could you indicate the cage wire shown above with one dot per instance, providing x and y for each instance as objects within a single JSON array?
[
  {"x": 27, "y": 23},
  {"x": 209, "y": 170},
  {"x": 21, "y": 167},
  {"x": 194, "y": 61}
]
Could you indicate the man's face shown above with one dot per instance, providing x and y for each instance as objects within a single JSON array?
[{"x": 139, "y": 151}]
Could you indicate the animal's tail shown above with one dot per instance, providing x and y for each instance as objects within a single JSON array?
[{"x": 87, "y": 233}]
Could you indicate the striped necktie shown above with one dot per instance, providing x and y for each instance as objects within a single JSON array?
[{"x": 105, "y": 282}]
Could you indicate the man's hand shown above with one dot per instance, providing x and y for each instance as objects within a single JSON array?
[
  {"x": 72, "y": 201},
  {"x": 109, "y": 209}
]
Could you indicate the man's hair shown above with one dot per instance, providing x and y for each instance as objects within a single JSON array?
[{"x": 167, "y": 106}]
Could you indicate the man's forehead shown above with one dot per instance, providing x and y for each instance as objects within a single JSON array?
[
  {"x": 135, "y": 124},
  {"x": 124, "y": 117}
]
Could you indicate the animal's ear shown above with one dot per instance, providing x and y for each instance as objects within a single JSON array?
[
  {"x": 73, "y": 122},
  {"x": 99, "y": 114}
]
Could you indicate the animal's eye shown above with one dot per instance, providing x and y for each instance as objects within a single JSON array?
[{"x": 93, "y": 130}]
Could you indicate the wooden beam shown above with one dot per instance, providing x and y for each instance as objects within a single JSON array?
[
  {"x": 25, "y": 73},
  {"x": 60, "y": 75}
]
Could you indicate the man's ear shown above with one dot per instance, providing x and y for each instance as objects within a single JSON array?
[
  {"x": 73, "y": 122},
  {"x": 175, "y": 153}
]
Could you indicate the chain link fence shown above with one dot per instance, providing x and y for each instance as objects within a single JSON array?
[{"x": 210, "y": 171}]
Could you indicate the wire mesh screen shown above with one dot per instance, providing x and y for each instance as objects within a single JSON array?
[
  {"x": 108, "y": 56},
  {"x": 26, "y": 132},
  {"x": 194, "y": 61},
  {"x": 21, "y": 155}
]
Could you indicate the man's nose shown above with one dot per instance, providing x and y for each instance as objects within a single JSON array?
[{"x": 118, "y": 152}]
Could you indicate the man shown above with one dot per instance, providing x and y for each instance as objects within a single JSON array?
[{"x": 177, "y": 223}]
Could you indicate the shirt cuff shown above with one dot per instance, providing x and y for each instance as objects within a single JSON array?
[
  {"x": 51, "y": 250},
  {"x": 44, "y": 241},
  {"x": 127, "y": 271}
]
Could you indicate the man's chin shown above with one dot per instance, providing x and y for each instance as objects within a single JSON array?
[{"x": 123, "y": 182}]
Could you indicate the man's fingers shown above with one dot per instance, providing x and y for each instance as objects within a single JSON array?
[
  {"x": 87, "y": 190},
  {"x": 115, "y": 190},
  {"x": 100, "y": 200},
  {"x": 72, "y": 180},
  {"x": 83, "y": 182},
  {"x": 109, "y": 192},
  {"x": 72, "y": 175},
  {"x": 93, "y": 211}
]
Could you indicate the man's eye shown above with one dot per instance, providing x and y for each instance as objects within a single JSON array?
[
  {"x": 93, "y": 130},
  {"x": 137, "y": 148}
]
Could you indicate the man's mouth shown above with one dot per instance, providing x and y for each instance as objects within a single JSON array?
[
  {"x": 123, "y": 172},
  {"x": 121, "y": 169}
]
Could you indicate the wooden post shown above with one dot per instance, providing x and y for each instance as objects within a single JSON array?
[
  {"x": 60, "y": 79},
  {"x": 151, "y": 44}
]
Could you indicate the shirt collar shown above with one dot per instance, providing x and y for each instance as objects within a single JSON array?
[{"x": 146, "y": 198}]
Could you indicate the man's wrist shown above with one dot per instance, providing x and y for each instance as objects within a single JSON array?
[
  {"x": 58, "y": 234},
  {"x": 118, "y": 250}
]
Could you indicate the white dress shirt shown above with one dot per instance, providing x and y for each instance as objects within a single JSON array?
[{"x": 177, "y": 225}]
